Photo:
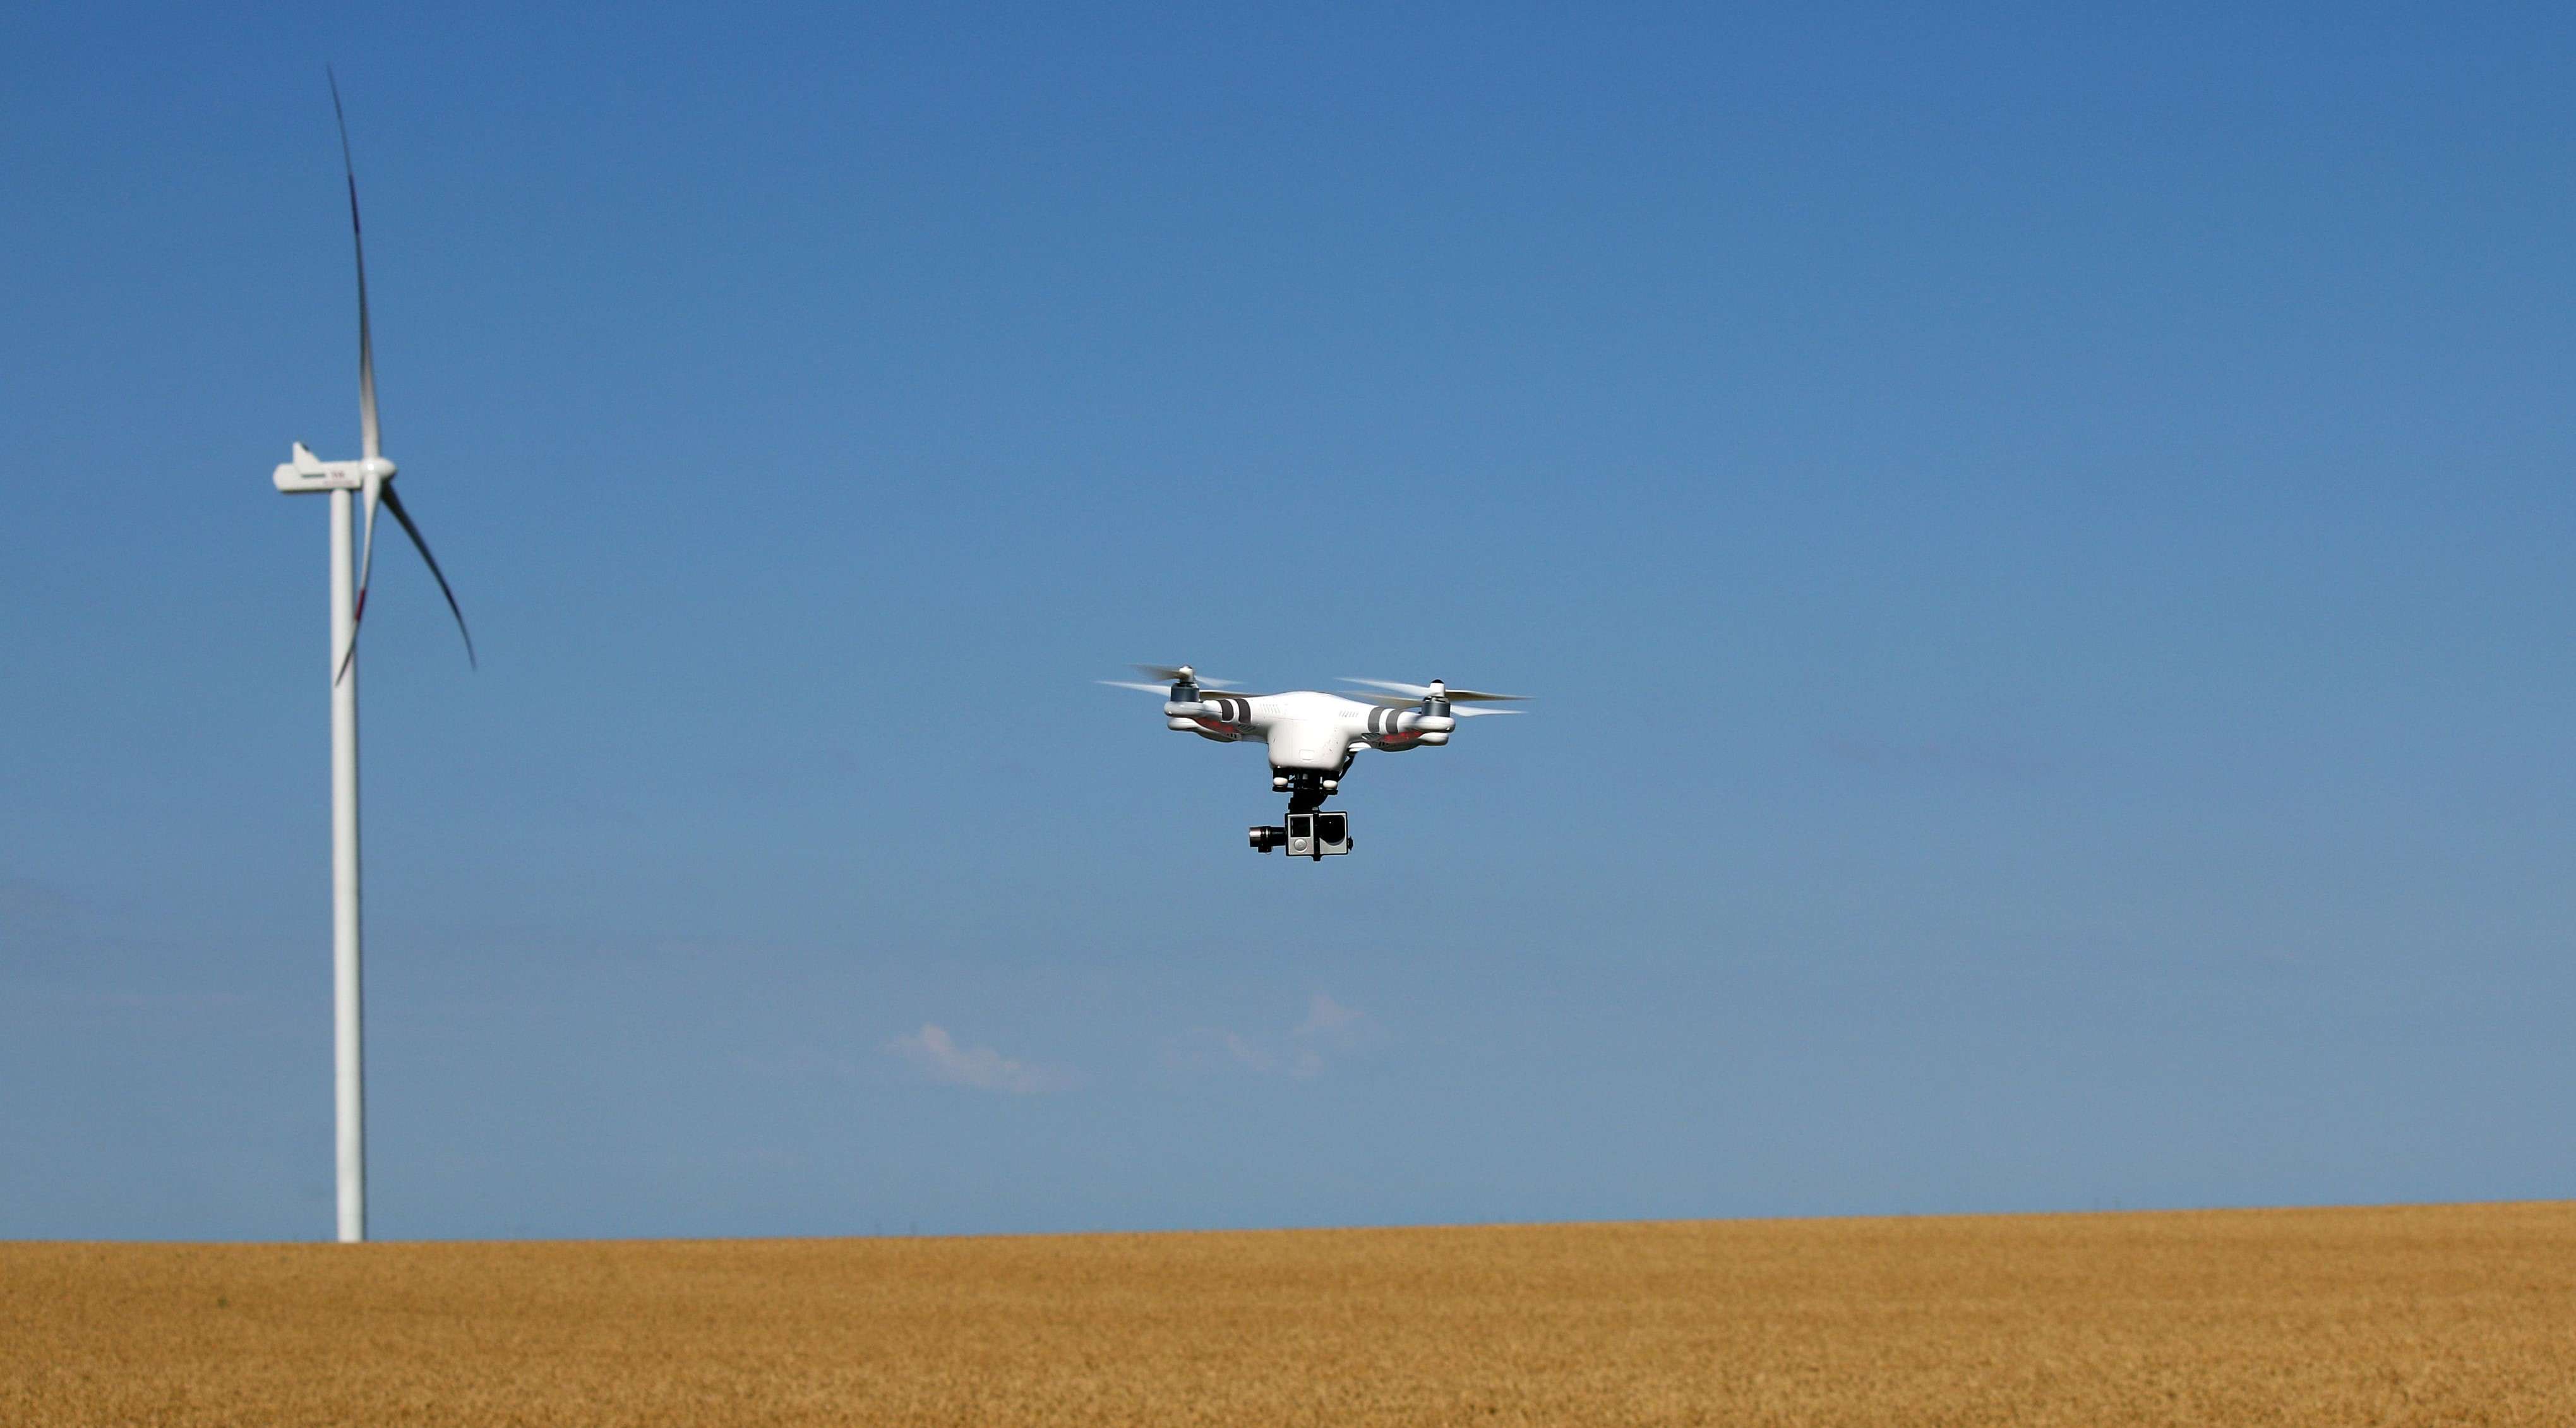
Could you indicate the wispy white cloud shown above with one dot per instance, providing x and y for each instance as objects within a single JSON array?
[
  {"x": 1242, "y": 1050},
  {"x": 1329, "y": 1031},
  {"x": 1330, "y": 1020},
  {"x": 936, "y": 1055}
]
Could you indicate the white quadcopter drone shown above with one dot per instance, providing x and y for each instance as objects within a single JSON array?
[{"x": 1312, "y": 736}]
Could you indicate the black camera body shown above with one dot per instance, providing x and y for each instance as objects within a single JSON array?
[{"x": 1320, "y": 834}]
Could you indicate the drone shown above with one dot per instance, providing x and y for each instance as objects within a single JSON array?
[{"x": 1312, "y": 737}]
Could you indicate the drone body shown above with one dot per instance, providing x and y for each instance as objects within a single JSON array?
[{"x": 1312, "y": 737}]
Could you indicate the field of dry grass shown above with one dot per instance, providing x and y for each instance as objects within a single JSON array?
[{"x": 2429, "y": 1315}]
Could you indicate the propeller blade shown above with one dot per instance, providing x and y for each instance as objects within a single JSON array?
[
  {"x": 1481, "y": 713},
  {"x": 394, "y": 504},
  {"x": 1423, "y": 691},
  {"x": 1171, "y": 674},
  {"x": 1410, "y": 691},
  {"x": 368, "y": 432},
  {"x": 1384, "y": 701},
  {"x": 1165, "y": 690}
]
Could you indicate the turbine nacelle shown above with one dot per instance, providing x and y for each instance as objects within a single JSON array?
[{"x": 305, "y": 472}]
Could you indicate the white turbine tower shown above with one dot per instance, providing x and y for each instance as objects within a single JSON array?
[{"x": 372, "y": 477}]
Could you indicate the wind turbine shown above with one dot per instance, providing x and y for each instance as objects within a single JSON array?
[{"x": 372, "y": 477}]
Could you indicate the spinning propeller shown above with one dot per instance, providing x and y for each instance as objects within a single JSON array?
[
  {"x": 1436, "y": 692},
  {"x": 375, "y": 473},
  {"x": 1171, "y": 675}
]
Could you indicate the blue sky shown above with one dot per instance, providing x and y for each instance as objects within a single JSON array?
[{"x": 2038, "y": 540}]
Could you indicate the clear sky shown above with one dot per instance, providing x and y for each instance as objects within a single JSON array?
[{"x": 2039, "y": 542}]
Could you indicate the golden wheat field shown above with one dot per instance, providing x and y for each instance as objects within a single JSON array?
[{"x": 2423, "y": 1315}]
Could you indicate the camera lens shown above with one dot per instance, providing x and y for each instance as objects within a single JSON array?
[{"x": 1330, "y": 827}]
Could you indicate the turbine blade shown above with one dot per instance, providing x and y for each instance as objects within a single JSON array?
[
  {"x": 369, "y": 435},
  {"x": 394, "y": 504},
  {"x": 372, "y": 491}
]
